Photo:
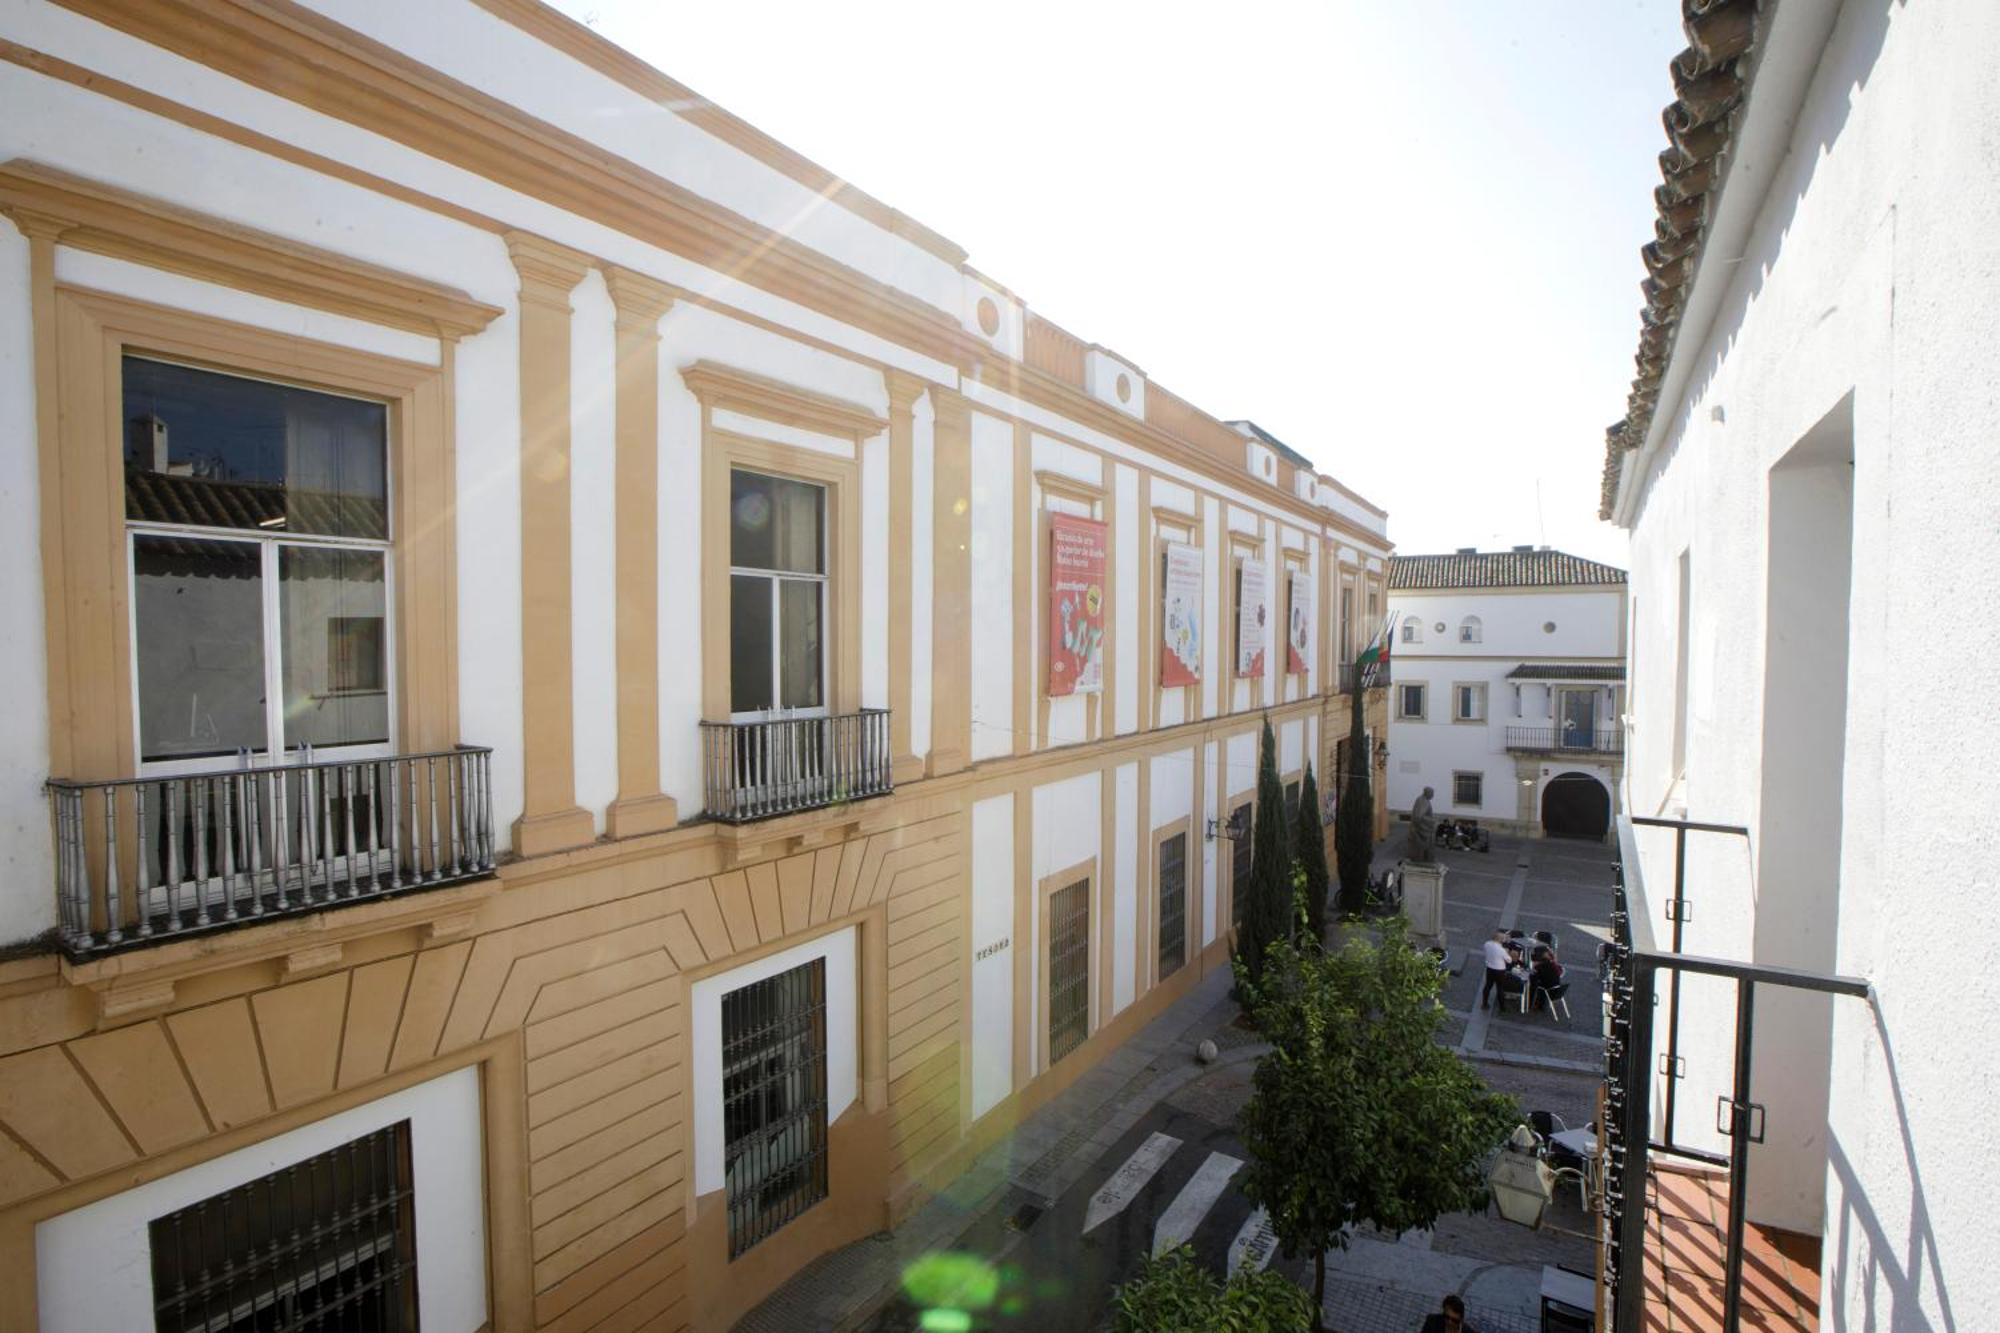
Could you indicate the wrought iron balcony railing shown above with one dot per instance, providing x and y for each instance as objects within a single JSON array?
[
  {"x": 1373, "y": 678},
  {"x": 1602, "y": 740},
  {"x": 780, "y": 766},
  {"x": 145, "y": 859}
]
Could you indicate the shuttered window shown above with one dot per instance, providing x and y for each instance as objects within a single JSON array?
[
  {"x": 1173, "y": 904},
  {"x": 1069, "y": 968}
]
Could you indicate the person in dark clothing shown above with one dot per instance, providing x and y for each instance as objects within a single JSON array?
[{"x": 1450, "y": 1318}]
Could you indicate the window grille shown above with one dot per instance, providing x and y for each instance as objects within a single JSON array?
[
  {"x": 1467, "y": 788},
  {"x": 324, "y": 1244},
  {"x": 1069, "y": 969},
  {"x": 1239, "y": 866},
  {"x": 774, "y": 1101},
  {"x": 1173, "y": 904}
]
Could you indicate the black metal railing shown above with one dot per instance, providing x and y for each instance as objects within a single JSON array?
[
  {"x": 1601, "y": 740},
  {"x": 779, "y": 766},
  {"x": 142, "y": 859},
  {"x": 1628, "y": 1145}
]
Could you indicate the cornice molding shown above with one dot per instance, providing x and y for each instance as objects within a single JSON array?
[
  {"x": 1068, "y": 487},
  {"x": 904, "y": 388},
  {"x": 640, "y": 301},
  {"x": 563, "y": 33},
  {"x": 717, "y": 385},
  {"x": 103, "y": 219},
  {"x": 549, "y": 272},
  {"x": 295, "y": 53}
]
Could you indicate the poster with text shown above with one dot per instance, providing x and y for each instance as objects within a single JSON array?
[
  {"x": 1252, "y": 613},
  {"x": 1077, "y": 548},
  {"x": 1180, "y": 616},
  {"x": 1299, "y": 625}
]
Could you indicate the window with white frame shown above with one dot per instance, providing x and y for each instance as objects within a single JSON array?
[
  {"x": 1411, "y": 706},
  {"x": 1413, "y": 630},
  {"x": 777, "y": 594},
  {"x": 1469, "y": 630},
  {"x": 1467, "y": 789},
  {"x": 1468, "y": 703},
  {"x": 257, "y": 523}
]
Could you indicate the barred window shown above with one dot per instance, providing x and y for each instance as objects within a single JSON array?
[
  {"x": 774, "y": 1101},
  {"x": 1467, "y": 788},
  {"x": 1239, "y": 864},
  {"x": 1069, "y": 969},
  {"x": 1173, "y": 904},
  {"x": 326, "y": 1243}
]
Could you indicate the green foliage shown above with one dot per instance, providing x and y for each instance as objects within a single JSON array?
[
  {"x": 1267, "y": 907},
  {"x": 1309, "y": 841},
  {"x": 1174, "y": 1293},
  {"x": 1354, "y": 821},
  {"x": 1358, "y": 1116}
]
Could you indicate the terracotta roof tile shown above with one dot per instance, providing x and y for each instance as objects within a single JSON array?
[
  {"x": 1499, "y": 569},
  {"x": 1709, "y": 77}
]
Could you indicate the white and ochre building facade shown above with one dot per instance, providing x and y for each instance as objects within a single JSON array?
[
  {"x": 1508, "y": 688},
  {"x": 583, "y": 688}
]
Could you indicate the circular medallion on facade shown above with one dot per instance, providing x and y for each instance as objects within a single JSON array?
[
  {"x": 1124, "y": 388},
  {"x": 1548, "y": 627},
  {"x": 989, "y": 316}
]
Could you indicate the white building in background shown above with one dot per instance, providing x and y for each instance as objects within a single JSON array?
[
  {"x": 1507, "y": 683},
  {"x": 1808, "y": 473}
]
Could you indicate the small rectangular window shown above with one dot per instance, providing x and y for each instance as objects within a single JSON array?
[
  {"x": 1469, "y": 703},
  {"x": 774, "y": 1101},
  {"x": 1069, "y": 969},
  {"x": 327, "y": 1243},
  {"x": 1466, "y": 789},
  {"x": 1410, "y": 702},
  {"x": 1173, "y": 904}
]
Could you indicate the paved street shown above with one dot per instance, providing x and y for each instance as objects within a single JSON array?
[{"x": 1143, "y": 1151}]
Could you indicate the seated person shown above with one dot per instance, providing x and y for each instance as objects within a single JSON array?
[
  {"x": 1547, "y": 973},
  {"x": 1517, "y": 946}
]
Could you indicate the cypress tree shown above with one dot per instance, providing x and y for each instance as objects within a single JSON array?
[
  {"x": 1354, "y": 824},
  {"x": 1267, "y": 912},
  {"x": 1310, "y": 843}
]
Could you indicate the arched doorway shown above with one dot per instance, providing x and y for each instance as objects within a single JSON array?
[{"x": 1576, "y": 805}]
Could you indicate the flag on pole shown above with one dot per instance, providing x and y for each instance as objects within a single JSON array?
[{"x": 1373, "y": 664}]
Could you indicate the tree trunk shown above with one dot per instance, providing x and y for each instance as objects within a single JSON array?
[{"x": 1319, "y": 1290}]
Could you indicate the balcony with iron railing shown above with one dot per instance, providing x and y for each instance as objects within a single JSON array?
[
  {"x": 1567, "y": 740},
  {"x": 762, "y": 769},
  {"x": 141, "y": 860}
]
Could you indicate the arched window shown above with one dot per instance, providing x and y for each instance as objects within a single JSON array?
[
  {"x": 1413, "y": 630},
  {"x": 1468, "y": 630}
]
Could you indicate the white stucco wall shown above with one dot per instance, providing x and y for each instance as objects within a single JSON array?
[
  {"x": 1866, "y": 281},
  {"x": 993, "y": 626},
  {"x": 993, "y": 890},
  {"x": 1125, "y": 890}
]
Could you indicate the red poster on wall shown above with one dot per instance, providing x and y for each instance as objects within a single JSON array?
[{"x": 1077, "y": 550}]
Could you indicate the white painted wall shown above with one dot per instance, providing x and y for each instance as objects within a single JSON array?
[
  {"x": 593, "y": 546},
  {"x": 1211, "y": 769},
  {"x": 993, "y": 627},
  {"x": 705, "y": 1040},
  {"x": 1866, "y": 272},
  {"x": 28, "y": 900},
  {"x": 681, "y": 332},
  {"x": 1125, "y": 892},
  {"x": 1171, "y": 786},
  {"x": 1131, "y": 531},
  {"x": 923, "y": 532},
  {"x": 993, "y": 894},
  {"x": 1587, "y": 633},
  {"x": 94, "y": 1266}
]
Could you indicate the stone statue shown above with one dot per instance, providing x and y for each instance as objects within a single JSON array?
[{"x": 1423, "y": 830}]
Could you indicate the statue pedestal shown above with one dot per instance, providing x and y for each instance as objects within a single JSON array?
[{"x": 1423, "y": 901}]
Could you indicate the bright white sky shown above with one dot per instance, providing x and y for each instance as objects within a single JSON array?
[{"x": 1400, "y": 235}]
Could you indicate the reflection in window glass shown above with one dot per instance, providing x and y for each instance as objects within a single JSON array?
[
  {"x": 776, "y": 524},
  {"x": 799, "y": 633},
  {"x": 199, "y": 610},
  {"x": 221, "y": 451},
  {"x": 749, "y": 644},
  {"x": 332, "y": 610}
]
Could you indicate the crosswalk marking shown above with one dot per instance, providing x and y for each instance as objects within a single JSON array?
[
  {"x": 1184, "y": 1214},
  {"x": 1126, "y": 1182},
  {"x": 1254, "y": 1244}
]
